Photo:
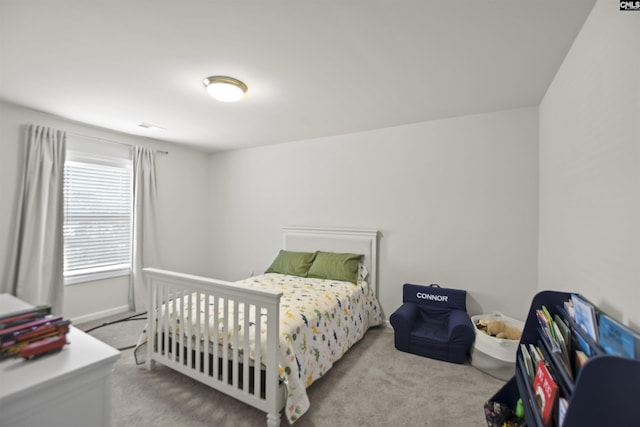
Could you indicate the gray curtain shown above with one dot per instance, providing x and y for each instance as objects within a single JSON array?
[
  {"x": 37, "y": 264},
  {"x": 144, "y": 224}
]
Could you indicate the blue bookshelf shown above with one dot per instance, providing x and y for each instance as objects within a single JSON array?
[{"x": 605, "y": 390}]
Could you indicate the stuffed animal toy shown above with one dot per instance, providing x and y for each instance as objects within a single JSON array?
[{"x": 499, "y": 329}]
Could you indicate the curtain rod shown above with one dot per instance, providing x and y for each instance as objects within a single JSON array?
[{"x": 109, "y": 141}]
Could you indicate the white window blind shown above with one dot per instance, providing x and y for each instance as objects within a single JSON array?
[{"x": 98, "y": 207}]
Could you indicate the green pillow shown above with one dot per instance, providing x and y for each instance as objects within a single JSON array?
[
  {"x": 293, "y": 263},
  {"x": 334, "y": 266}
]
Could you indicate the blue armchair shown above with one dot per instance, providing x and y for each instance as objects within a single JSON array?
[{"x": 433, "y": 322}]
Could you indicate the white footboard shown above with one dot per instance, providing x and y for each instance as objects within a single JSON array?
[{"x": 216, "y": 362}]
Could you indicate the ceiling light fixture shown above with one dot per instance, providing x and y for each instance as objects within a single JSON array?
[{"x": 225, "y": 89}]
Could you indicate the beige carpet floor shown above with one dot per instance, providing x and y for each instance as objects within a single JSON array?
[{"x": 372, "y": 385}]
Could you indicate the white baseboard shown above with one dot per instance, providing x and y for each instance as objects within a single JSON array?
[{"x": 100, "y": 314}]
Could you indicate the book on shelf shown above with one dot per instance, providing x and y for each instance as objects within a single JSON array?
[
  {"x": 568, "y": 307},
  {"x": 563, "y": 405},
  {"x": 585, "y": 316},
  {"x": 617, "y": 339},
  {"x": 549, "y": 322},
  {"x": 546, "y": 322},
  {"x": 528, "y": 362},
  {"x": 546, "y": 393},
  {"x": 545, "y": 326},
  {"x": 582, "y": 345},
  {"x": 562, "y": 352},
  {"x": 536, "y": 355},
  {"x": 580, "y": 359},
  {"x": 554, "y": 330},
  {"x": 565, "y": 330}
]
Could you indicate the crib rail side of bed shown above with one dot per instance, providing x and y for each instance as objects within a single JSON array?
[{"x": 183, "y": 309}]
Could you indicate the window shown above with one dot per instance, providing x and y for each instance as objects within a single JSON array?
[{"x": 98, "y": 208}]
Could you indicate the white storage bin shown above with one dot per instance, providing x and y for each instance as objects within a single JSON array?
[{"x": 495, "y": 356}]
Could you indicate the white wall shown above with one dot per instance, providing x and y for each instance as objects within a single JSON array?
[
  {"x": 183, "y": 178},
  {"x": 590, "y": 166},
  {"x": 455, "y": 201}
]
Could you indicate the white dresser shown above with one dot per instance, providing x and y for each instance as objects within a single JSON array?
[{"x": 69, "y": 388}]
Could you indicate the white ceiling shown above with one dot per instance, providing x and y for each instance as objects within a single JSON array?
[{"x": 314, "y": 68}]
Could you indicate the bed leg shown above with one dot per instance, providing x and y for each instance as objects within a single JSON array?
[{"x": 273, "y": 420}]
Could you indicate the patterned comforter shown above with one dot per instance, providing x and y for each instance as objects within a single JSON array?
[{"x": 319, "y": 321}]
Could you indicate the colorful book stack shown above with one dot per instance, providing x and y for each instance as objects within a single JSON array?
[
  {"x": 31, "y": 333},
  {"x": 557, "y": 335}
]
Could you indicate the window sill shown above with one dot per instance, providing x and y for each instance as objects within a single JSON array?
[{"x": 92, "y": 277}]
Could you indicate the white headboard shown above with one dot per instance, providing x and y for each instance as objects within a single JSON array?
[{"x": 351, "y": 240}]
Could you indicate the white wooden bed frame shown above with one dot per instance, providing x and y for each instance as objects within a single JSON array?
[{"x": 167, "y": 287}]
